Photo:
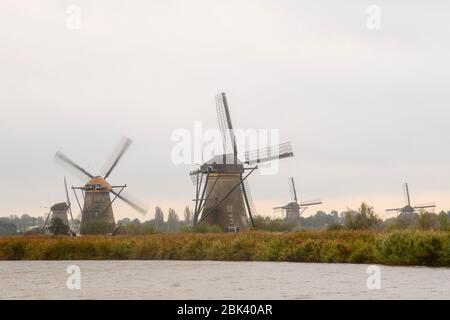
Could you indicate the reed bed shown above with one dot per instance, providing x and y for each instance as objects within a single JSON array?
[{"x": 409, "y": 248}]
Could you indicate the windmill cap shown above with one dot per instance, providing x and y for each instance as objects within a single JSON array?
[
  {"x": 408, "y": 209},
  {"x": 224, "y": 163},
  {"x": 224, "y": 159},
  {"x": 293, "y": 205},
  {"x": 62, "y": 206},
  {"x": 98, "y": 181}
]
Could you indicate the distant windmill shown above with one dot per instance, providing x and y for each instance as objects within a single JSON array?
[
  {"x": 97, "y": 214},
  {"x": 59, "y": 212},
  {"x": 223, "y": 195},
  {"x": 408, "y": 208},
  {"x": 294, "y": 209}
]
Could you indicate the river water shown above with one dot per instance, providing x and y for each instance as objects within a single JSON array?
[{"x": 217, "y": 280}]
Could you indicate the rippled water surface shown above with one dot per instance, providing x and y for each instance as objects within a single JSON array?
[{"x": 217, "y": 280}]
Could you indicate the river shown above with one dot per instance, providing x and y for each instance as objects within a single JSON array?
[{"x": 217, "y": 280}]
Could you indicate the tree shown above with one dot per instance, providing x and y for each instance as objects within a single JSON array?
[
  {"x": 427, "y": 220},
  {"x": 7, "y": 227},
  {"x": 274, "y": 225},
  {"x": 188, "y": 218},
  {"x": 407, "y": 220},
  {"x": 444, "y": 221},
  {"x": 364, "y": 218},
  {"x": 159, "y": 219},
  {"x": 58, "y": 227},
  {"x": 173, "y": 221},
  {"x": 25, "y": 222},
  {"x": 135, "y": 222},
  {"x": 123, "y": 222}
]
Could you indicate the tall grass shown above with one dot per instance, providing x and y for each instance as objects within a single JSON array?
[{"x": 421, "y": 248}]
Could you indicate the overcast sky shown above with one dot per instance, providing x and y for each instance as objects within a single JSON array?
[{"x": 366, "y": 110}]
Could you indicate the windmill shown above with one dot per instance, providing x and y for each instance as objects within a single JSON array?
[
  {"x": 97, "y": 215},
  {"x": 58, "y": 213},
  {"x": 408, "y": 208},
  {"x": 294, "y": 209},
  {"x": 223, "y": 195}
]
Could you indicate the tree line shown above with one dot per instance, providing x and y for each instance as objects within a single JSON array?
[{"x": 364, "y": 218}]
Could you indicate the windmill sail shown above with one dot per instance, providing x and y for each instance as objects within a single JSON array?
[
  {"x": 131, "y": 203},
  {"x": 122, "y": 148},
  {"x": 251, "y": 203},
  {"x": 225, "y": 124},
  {"x": 65, "y": 160},
  {"x": 283, "y": 150},
  {"x": 292, "y": 188},
  {"x": 406, "y": 193},
  {"x": 69, "y": 205},
  {"x": 308, "y": 203},
  {"x": 425, "y": 206}
]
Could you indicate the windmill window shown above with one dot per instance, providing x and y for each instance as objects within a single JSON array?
[
  {"x": 229, "y": 208},
  {"x": 233, "y": 230}
]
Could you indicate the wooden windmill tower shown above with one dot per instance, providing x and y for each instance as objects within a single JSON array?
[
  {"x": 294, "y": 209},
  {"x": 58, "y": 213},
  {"x": 409, "y": 208},
  {"x": 223, "y": 195},
  {"x": 97, "y": 215}
]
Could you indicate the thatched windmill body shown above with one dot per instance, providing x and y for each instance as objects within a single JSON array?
[
  {"x": 294, "y": 209},
  {"x": 97, "y": 215},
  {"x": 223, "y": 195}
]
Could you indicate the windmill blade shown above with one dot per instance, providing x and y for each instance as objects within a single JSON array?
[
  {"x": 69, "y": 204},
  {"x": 280, "y": 151},
  {"x": 67, "y": 192},
  {"x": 131, "y": 203},
  {"x": 406, "y": 194},
  {"x": 278, "y": 208},
  {"x": 310, "y": 203},
  {"x": 46, "y": 221},
  {"x": 225, "y": 125},
  {"x": 292, "y": 187},
  {"x": 251, "y": 203},
  {"x": 60, "y": 157},
  {"x": 425, "y": 206},
  {"x": 390, "y": 210},
  {"x": 121, "y": 149}
]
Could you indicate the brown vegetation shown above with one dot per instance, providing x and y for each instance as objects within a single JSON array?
[{"x": 424, "y": 248}]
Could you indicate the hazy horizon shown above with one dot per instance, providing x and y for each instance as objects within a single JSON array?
[{"x": 365, "y": 110}]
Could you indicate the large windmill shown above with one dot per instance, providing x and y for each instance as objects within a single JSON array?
[
  {"x": 97, "y": 215},
  {"x": 294, "y": 209},
  {"x": 409, "y": 208},
  {"x": 58, "y": 213},
  {"x": 223, "y": 195}
]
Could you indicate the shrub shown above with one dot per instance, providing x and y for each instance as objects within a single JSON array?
[{"x": 400, "y": 247}]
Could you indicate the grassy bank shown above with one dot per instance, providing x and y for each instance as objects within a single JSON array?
[{"x": 420, "y": 248}]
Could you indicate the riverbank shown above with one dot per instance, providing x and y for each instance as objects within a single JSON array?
[{"x": 407, "y": 248}]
